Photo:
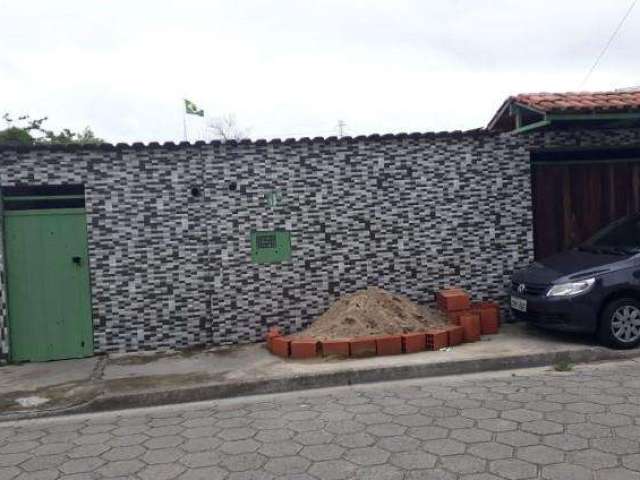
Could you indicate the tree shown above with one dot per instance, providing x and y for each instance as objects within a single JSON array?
[
  {"x": 24, "y": 130},
  {"x": 226, "y": 128}
]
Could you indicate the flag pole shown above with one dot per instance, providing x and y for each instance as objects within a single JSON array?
[{"x": 184, "y": 125}]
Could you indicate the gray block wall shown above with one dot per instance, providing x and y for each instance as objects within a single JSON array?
[{"x": 169, "y": 269}]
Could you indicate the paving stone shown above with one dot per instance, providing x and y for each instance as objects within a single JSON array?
[
  {"x": 248, "y": 475},
  {"x": 565, "y": 441},
  {"x": 200, "y": 444},
  {"x": 208, "y": 473},
  {"x": 287, "y": 465},
  {"x": 454, "y": 422},
  {"x": 618, "y": 474},
  {"x": 444, "y": 446},
  {"x": 540, "y": 454},
  {"x": 315, "y": 438},
  {"x": 53, "y": 475},
  {"x": 463, "y": 464},
  {"x": 567, "y": 471},
  {"x": 386, "y": 429},
  {"x": 413, "y": 460},
  {"x": 81, "y": 465},
  {"x": 332, "y": 470},
  {"x": 244, "y": 461},
  {"x": 631, "y": 432},
  {"x": 87, "y": 451},
  {"x": 322, "y": 452},
  {"x": 479, "y": 413},
  {"x": 399, "y": 444},
  {"x": 412, "y": 420},
  {"x": 161, "y": 472},
  {"x": 610, "y": 419},
  {"x": 471, "y": 435},
  {"x": 589, "y": 430},
  {"x": 517, "y": 438},
  {"x": 542, "y": 427},
  {"x": 11, "y": 459},
  {"x": 123, "y": 453},
  {"x": 618, "y": 446},
  {"x": 126, "y": 468},
  {"x": 497, "y": 425},
  {"x": 202, "y": 459},
  {"x": 164, "y": 455},
  {"x": 362, "y": 439},
  {"x": 9, "y": 473},
  {"x": 367, "y": 456},
  {"x": 208, "y": 431},
  {"x": 127, "y": 440},
  {"x": 513, "y": 469},
  {"x": 565, "y": 417},
  {"x": 522, "y": 415},
  {"x": 431, "y": 474},
  {"x": 593, "y": 459},
  {"x": 43, "y": 463},
  {"x": 491, "y": 450},
  {"x": 379, "y": 472},
  {"x": 428, "y": 432},
  {"x": 274, "y": 435}
]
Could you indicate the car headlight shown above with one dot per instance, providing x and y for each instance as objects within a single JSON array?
[{"x": 571, "y": 288}]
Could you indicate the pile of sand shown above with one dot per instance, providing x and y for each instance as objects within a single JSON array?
[{"x": 373, "y": 311}]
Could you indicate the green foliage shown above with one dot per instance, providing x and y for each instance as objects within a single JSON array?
[
  {"x": 24, "y": 130},
  {"x": 563, "y": 365},
  {"x": 16, "y": 135}
]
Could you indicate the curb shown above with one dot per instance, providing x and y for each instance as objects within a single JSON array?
[{"x": 109, "y": 402}]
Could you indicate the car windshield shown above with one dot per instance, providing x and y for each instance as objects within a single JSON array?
[{"x": 622, "y": 237}]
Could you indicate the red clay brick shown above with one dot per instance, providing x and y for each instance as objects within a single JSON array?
[
  {"x": 456, "y": 334},
  {"x": 454, "y": 317},
  {"x": 271, "y": 334},
  {"x": 280, "y": 346},
  {"x": 471, "y": 324},
  {"x": 337, "y": 348},
  {"x": 437, "y": 339},
  {"x": 389, "y": 345},
  {"x": 362, "y": 346},
  {"x": 452, "y": 300},
  {"x": 489, "y": 317},
  {"x": 414, "y": 342},
  {"x": 304, "y": 348}
]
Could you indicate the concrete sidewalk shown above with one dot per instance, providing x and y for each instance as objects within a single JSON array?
[{"x": 127, "y": 381}]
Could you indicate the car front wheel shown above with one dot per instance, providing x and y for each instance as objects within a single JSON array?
[{"x": 620, "y": 324}]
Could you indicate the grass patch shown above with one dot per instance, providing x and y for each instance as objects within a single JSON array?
[{"x": 563, "y": 365}]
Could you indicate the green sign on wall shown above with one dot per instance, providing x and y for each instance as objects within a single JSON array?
[{"x": 270, "y": 246}]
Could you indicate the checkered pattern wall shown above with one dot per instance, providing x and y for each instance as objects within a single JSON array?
[{"x": 169, "y": 227}]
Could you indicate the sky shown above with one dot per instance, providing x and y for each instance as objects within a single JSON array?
[{"x": 294, "y": 68}]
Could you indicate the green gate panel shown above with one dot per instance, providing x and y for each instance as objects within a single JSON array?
[
  {"x": 48, "y": 287},
  {"x": 273, "y": 246}
]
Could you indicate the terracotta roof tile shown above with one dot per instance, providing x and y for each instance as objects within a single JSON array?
[{"x": 581, "y": 102}]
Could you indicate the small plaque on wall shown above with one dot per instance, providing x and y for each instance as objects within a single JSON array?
[{"x": 270, "y": 246}]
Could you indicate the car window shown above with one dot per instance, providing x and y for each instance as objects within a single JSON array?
[{"x": 624, "y": 233}]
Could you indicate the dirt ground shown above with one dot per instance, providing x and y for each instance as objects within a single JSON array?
[{"x": 373, "y": 311}]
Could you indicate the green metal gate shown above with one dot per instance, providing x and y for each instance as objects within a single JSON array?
[{"x": 48, "y": 284}]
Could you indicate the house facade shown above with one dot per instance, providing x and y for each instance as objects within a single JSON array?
[{"x": 148, "y": 247}]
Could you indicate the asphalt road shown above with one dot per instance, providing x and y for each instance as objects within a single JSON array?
[{"x": 583, "y": 424}]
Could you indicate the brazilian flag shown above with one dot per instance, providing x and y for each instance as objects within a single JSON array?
[{"x": 191, "y": 109}]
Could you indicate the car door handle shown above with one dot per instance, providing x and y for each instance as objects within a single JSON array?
[{"x": 77, "y": 260}]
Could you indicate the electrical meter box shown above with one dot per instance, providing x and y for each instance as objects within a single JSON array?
[{"x": 270, "y": 246}]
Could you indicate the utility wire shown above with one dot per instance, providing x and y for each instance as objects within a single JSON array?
[{"x": 608, "y": 44}]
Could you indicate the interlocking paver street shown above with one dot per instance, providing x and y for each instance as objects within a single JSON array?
[{"x": 537, "y": 423}]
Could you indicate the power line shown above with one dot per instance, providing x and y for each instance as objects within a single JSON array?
[{"x": 608, "y": 44}]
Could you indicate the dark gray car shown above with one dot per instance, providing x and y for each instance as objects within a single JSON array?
[{"x": 594, "y": 288}]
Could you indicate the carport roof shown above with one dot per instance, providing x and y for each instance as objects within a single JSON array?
[{"x": 533, "y": 110}]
